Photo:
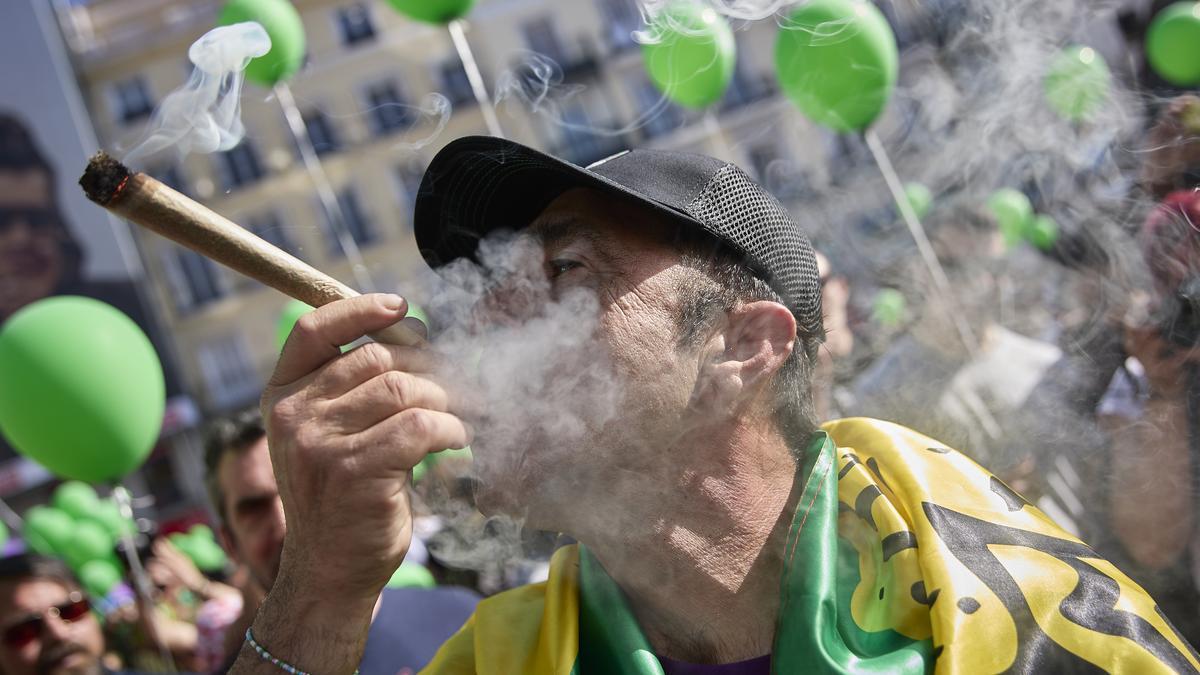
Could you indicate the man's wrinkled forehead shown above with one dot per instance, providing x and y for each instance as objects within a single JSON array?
[{"x": 612, "y": 226}]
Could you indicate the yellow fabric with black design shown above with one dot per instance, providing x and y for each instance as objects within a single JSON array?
[{"x": 902, "y": 557}]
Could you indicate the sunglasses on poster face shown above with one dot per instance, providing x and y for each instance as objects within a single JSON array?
[{"x": 23, "y": 632}]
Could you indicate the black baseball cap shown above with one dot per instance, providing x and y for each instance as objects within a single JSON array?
[{"x": 480, "y": 184}]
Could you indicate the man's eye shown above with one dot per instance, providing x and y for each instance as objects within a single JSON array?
[{"x": 557, "y": 268}]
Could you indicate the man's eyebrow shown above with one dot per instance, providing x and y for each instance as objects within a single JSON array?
[{"x": 553, "y": 231}]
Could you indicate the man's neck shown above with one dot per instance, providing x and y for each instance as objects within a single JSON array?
[{"x": 703, "y": 582}]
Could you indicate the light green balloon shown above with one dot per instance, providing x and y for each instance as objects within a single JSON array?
[
  {"x": 76, "y": 499},
  {"x": 1043, "y": 232},
  {"x": 291, "y": 313},
  {"x": 412, "y": 575},
  {"x": 838, "y": 61},
  {"x": 1013, "y": 214},
  {"x": 919, "y": 198},
  {"x": 890, "y": 307},
  {"x": 1077, "y": 83},
  {"x": 81, "y": 389},
  {"x": 108, "y": 516},
  {"x": 692, "y": 54},
  {"x": 48, "y": 530},
  {"x": 283, "y": 25},
  {"x": 433, "y": 11},
  {"x": 4, "y": 534},
  {"x": 1173, "y": 44},
  {"x": 90, "y": 541},
  {"x": 99, "y": 576},
  {"x": 207, "y": 555}
]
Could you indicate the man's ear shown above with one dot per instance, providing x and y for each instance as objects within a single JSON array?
[
  {"x": 759, "y": 338},
  {"x": 749, "y": 347}
]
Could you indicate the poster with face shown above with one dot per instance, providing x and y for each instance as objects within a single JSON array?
[{"x": 52, "y": 240}]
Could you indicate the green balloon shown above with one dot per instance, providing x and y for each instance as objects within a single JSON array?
[
  {"x": 1173, "y": 44},
  {"x": 1013, "y": 213},
  {"x": 108, "y": 516},
  {"x": 99, "y": 576},
  {"x": 919, "y": 198},
  {"x": 283, "y": 25},
  {"x": 209, "y": 557},
  {"x": 411, "y": 575},
  {"x": 81, "y": 389},
  {"x": 889, "y": 307},
  {"x": 48, "y": 530},
  {"x": 3, "y": 533},
  {"x": 692, "y": 54},
  {"x": 202, "y": 532},
  {"x": 291, "y": 313},
  {"x": 1077, "y": 83},
  {"x": 837, "y": 60},
  {"x": 89, "y": 542},
  {"x": 76, "y": 499},
  {"x": 433, "y": 11},
  {"x": 1043, "y": 232}
]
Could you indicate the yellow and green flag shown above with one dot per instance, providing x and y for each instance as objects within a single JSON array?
[{"x": 903, "y": 556}]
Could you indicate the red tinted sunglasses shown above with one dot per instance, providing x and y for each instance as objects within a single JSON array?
[{"x": 22, "y": 633}]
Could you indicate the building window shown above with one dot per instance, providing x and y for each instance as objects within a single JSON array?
[
  {"x": 321, "y": 132},
  {"x": 239, "y": 165},
  {"x": 389, "y": 111},
  {"x": 455, "y": 84},
  {"x": 354, "y": 24},
  {"x": 269, "y": 227},
  {"x": 659, "y": 114},
  {"x": 542, "y": 37},
  {"x": 194, "y": 279},
  {"x": 582, "y": 145},
  {"x": 228, "y": 372},
  {"x": 132, "y": 98},
  {"x": 623, "y": 19},
  {"x": 355, "y": 221},
  {"x": 171, "y": 176}
]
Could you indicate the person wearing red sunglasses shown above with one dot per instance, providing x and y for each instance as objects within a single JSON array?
[{"x": 46, "y": 623}]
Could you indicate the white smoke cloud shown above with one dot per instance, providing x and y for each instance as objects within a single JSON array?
[{"x": 204, "y": 115}]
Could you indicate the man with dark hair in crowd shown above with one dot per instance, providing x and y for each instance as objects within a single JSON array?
[
  {"x": 408, "y": 624},
  {"x": 721, "y": 529},
  {"x": 46, "y": 623}
]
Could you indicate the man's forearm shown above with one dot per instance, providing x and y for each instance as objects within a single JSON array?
[{"x": 308, "y": 631}]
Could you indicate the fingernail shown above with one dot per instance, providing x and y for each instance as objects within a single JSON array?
[{"x": 393, "y": 302}]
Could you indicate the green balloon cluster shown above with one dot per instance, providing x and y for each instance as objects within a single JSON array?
[
  {"x": 199, "y": 545},
  {"x": 838, "y": 61},
  {"x": 81, "y": 529},
  {"x": 691, "y": 55},
  {"x": 433, "y": 11},
  {"x": 81, "y": 388},
  {"x": 1173, "y": 44},
  {"x": 919, "y": 197},
  {"x": 1014, "y": 214},
  {"x": 1077, "y": 83},
  {"x": 283, "y": 25},
  {"x": 889, "y": 307}
]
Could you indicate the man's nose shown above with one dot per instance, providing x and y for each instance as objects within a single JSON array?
[{"x": 54, "y": 629}]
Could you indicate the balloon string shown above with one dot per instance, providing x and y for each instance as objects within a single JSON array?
[
  {"x": 325, "y": 193},
  {"x": 940, "y": 282},
  {"x": 459, "y": 37},
  {"x": 141, "y": 582}
]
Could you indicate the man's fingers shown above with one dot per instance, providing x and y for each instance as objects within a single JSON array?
[
  {"x": 383, "y": 396},
  {"x": 370, "y": 360},
  {"x": 404, "y": 439},
  {"x": 318, "y": 336}
]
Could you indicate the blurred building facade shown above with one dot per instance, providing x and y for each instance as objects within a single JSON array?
[{"x": 361, "y": 93}]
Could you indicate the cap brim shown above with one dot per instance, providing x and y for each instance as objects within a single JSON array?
[{"x": 478, "y": 185}]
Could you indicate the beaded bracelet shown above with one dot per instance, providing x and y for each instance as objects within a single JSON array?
[{"x": 266, "y": 656}]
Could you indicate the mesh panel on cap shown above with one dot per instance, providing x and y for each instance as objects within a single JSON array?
[{"x": 738, "y": 210}]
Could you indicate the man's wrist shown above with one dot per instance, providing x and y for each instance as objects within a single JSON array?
[{"x": 311, "y": 629}]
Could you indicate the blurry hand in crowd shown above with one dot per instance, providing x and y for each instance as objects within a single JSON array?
[
  {"x": 47, "y": 628},
  {"x": 1172, "y": 146},
  {"x": 344, "y": 432},
  {"x": 171, "y": 568}
]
